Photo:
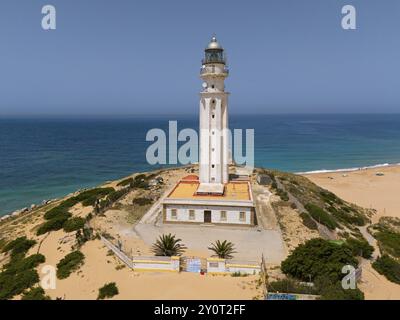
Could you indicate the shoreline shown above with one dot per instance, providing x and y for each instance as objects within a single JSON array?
[{"x": 376, "y": 166}]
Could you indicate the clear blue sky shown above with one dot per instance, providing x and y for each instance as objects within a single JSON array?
[{"x": 140, "y": 57}]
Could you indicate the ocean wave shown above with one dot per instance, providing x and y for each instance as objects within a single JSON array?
[{"x": 381, "y": 165}]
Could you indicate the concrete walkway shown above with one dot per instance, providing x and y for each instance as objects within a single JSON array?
[
  {"x": 250, "y": 243},
  {"x": 266, "y": 217}
]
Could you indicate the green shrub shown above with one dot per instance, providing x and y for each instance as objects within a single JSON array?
[
  {"x": 73, "y": 224},
  {"x": 282, "y": 194},
  {"x": 3, "y": 242},
  {"x": 388, "y": 267},
  {"x": 35, "y": 294},
  {"x": 83, "y": 235},
  {"x": 318, "y": 257},
  {"x": 142, "y": 201},
  {"x": 116, "y": 195},
  {"x": 125, "y": 182},
  {"x": 308, "y": 222},
  {"x": 19, "y": 274},
  {"x": 140, "y": 181},
  {"x": 389, "y": 242},
  {"x": 348, "y": 216},
  {"x": 109, "y": 290},
  {"x": 89, "y": 197},
  {"x": 70, "y": 263},
  {"x": 19, "y": 265},
  {"x": 238, "y": 274},
  {"x": 53, "y": 224},
  {"x": 54, "y": 213},
  {"x": 329, "y": 290},
  {"x": 11, "y": 285},
  {"x": 360, "y": 248},
  {"x": 20, "y": 245},
  {"x": 321, "y": 216},
  {"x": 329, "y": 197}
]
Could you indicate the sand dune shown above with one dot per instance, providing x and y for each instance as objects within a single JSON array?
[{"x": 379, "y": 192}]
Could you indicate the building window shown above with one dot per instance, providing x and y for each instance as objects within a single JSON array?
[
  {"x": 191, "y": 215},
  {"x": 212, "y": 86},
  {"x": 213, "y": 166},
  {"x": 213, "y": 179},
  {"x": 242, "y": 216},
  {"x": 174, "y": 214},
  {"x": 213, "y": 101},
  {"x": 223, "y": 215},
  {"x": 213, "y": 264},
  {"x": 213, "y": 116}
]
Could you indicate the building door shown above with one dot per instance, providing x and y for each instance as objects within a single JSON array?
[{"x": 207, "y": 216}]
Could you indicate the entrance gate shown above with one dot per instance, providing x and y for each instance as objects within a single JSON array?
[{"x": 191, "y": 264}]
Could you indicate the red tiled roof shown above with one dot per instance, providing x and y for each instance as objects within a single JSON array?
[{"x": 191, "y": 177}]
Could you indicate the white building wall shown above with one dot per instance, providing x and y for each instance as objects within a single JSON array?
[
  {"x": 216, "y": 266},
  {"x": 232, "y": 214},
  {"x": 243, "y": 269},
  {"x": 152, "y": 263}
]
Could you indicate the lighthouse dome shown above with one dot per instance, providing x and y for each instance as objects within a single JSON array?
[{"x": 214, "y": 44}]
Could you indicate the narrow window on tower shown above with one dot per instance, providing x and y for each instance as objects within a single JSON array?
[
  {"x": 213, "y": 116},
  {"x": 223, "y": 215},
  {"x": 213, "y": 166},
  {"x": 173, "y": 214}
]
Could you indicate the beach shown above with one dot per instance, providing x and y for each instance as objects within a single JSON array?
[{"x": 376, "y": 188}]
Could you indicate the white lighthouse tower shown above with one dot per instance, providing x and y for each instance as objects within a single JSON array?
[
  {"x": 214, "y": 157},
  {"x": 211, "y": 198}
]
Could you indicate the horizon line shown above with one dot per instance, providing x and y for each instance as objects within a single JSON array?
[{"x": 103, "y": 115}]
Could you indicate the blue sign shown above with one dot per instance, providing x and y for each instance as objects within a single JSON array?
[
  {"x": 193, "y": 265},
  {"x": 281, "y": 296}
]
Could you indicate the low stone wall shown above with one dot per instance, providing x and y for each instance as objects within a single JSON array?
[
  {"x": 224, "y": 266},
  {"x": 243, "y": 267},
  {"x": 171, "y": 264}
]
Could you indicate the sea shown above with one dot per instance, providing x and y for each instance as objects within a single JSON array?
[{"x": 49, "y": 157}]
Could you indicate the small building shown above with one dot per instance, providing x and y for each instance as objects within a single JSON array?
[
  {"x": 234, "y": 206},
  {"x": 264, "y": 179}
]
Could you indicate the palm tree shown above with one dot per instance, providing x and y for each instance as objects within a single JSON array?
[
  {"x": 223, "y": 250},
  {"x": 167, "y": 245}
]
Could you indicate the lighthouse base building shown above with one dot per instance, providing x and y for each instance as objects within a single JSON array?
[
  {"x": 212, "y": 198},
  {"x": 233, "y": 207}
]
